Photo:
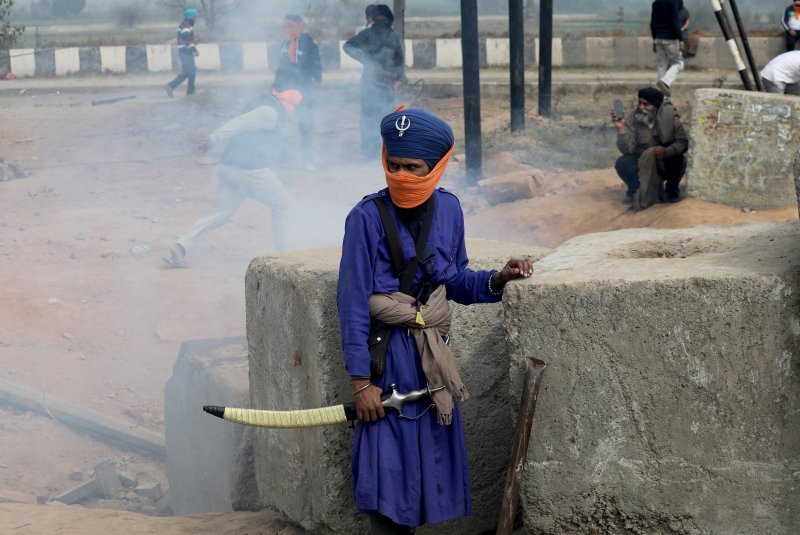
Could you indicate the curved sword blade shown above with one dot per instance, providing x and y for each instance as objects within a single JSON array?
[{"x": 336, "y": 414}]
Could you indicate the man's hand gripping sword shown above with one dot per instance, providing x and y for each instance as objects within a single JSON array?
[{"x": 337, "y": 414}]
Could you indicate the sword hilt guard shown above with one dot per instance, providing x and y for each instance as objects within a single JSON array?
[{"x": 395, "y": 400}]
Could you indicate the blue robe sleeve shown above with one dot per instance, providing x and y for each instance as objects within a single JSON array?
[
  {"x": 356, "y": 276},
  {"x": 468, "y": 286}
]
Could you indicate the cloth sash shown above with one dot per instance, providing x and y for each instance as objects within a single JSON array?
[{"x": 438, "y": 361}]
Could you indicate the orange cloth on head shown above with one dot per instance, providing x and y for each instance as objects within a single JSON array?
[
  {"x": 292, "y": 31},
  {"x": 408, "y": 190},
  {"x": 289, "y": 98}
]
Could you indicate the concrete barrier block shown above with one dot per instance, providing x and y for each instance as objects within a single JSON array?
[
  {"x": 208, "y": 60},
  {"x": 5, "y": 62},
  {"x": 159, "y": 58},
  {"x": 448, "y": 53},
  {"x": 424, "y": 53},
  {"x": 230, "y": 57},
  {"x": 90, "y": 59},
  {"x": 112, "y": 59},
  {"x": 68, "y": 61},
  {"x": 408, "y": 53},
  {"x": 742, "y": 145},
  {"x": 45, "y": 62},
  {"x": 497, "y": 52},
  {"x": 600, "y": 51},
  {"x": 254, "y": 56},
  {"x": 136, "y": 59},
  {"x": 574, "y": 52},
  {"x": 23, "y": 62},
  {"x": 296, "y": 362},
  {"x": 633, "y": 52},
  {"x": 346, "y": 61},
  {"x": 202, "y": 450},
  {"x": 671, "y": 403}
]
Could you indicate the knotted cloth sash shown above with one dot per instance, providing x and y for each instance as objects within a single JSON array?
[{"x": 438, "y": 362}]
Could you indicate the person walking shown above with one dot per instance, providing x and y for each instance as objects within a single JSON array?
[
  {"x": 410, "y": 470},
  {"x": 187, "y": 51},
  {"x": 300, "y": 68},
  {"x": 665, "y": 27},
  {"x": 379, "y": 49},
  {"x": 245, "y": 171},
  {"x": 653, "y": 143}
]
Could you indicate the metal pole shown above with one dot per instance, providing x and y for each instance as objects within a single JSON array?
[
  {"x": 534, "y": 369},
  {"x": 472, "y": 89},
  {"x": 746, "y": 44},
  {"x": 516, "y": 43},
  {"x": 545, "y": 56},
  {"x": 399, "y": 25},
  {"x": 722, "y": 19}
]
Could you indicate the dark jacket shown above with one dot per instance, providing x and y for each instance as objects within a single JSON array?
[
  {"x": 667, "y": 132},
  {"x": 379, "y": 49},
  {"x": 788, "y": 14},
  {"x": 664, "y": 20},
  {"x": 302, "y": 73},
  {"x": 186, "y": 40}
]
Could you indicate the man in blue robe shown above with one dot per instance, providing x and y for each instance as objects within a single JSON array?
[{"x": 410, "y": 470}]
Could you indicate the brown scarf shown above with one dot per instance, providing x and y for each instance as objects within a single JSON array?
[{"x": 438, "y": 362}]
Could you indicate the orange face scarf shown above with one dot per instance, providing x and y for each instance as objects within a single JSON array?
[
  {"x": 408, "y": 190},
  {"x": 292, "y": 30},
  {"x": 797, "y": 12}
]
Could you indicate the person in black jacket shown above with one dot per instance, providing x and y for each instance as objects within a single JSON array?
[
  {"x": 665, "y": 28},
  {"x": 379, "y": 49},
  {"x": 254, "y": 141},
  {"x": 300, "y": 68}
]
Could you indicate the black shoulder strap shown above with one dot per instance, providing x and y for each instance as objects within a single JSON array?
[
  {"x": 390, "y": 228},
  {"x": 407, "y": 272}
]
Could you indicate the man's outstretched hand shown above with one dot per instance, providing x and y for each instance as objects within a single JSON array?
[{"x": 514, "y": 269}]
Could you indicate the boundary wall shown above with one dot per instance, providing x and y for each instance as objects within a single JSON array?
[{"x": 633, "y": 52}]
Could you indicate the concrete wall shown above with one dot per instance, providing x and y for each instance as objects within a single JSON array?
[
  {"x": 635, "y": 52},
  {"x": 202, "y": 450},
  {"x": 296, "y": 362},
  {"x": 671, "y": 403},
  {"x": 742, "y": 147}
]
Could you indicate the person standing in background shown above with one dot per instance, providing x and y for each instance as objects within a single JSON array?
[
  {"x": 665, "y": 28},
  {"x": 791, "y": 24},
  {"x": 300, "y": 68},
  {"x": 187, "y": 51},
  {"x": 379, "y": 49}
]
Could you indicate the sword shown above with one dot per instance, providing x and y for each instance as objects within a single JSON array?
[{"x": 336, "y": 414}]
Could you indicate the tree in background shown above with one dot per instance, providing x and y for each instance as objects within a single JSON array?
[
  {"x": 8, "y": 32},
  {"x": 67, "y": 8}
]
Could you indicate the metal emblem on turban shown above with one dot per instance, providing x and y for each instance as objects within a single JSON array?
[{"x": 402, "y": 124}]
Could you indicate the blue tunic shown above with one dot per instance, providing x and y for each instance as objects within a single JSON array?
[{"x": 413, "y": 471}]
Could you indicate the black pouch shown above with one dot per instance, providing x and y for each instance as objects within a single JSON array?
[{"x": 378, "y": 342}]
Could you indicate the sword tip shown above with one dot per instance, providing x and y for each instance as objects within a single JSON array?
[{"x": 214, "y": 410}]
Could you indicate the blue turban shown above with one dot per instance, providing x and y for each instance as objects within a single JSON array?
[
  {"x": 424, "y": 136},
  {"x": 189, "y": 13}
]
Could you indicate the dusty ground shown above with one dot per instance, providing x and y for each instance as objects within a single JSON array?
[{"x": 91, "y": 315}]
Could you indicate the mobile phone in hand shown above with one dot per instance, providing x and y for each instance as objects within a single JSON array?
[{"x": 618, "y": 111}]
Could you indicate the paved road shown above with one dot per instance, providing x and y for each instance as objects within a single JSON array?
[{"x": 490, "y": 78}]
